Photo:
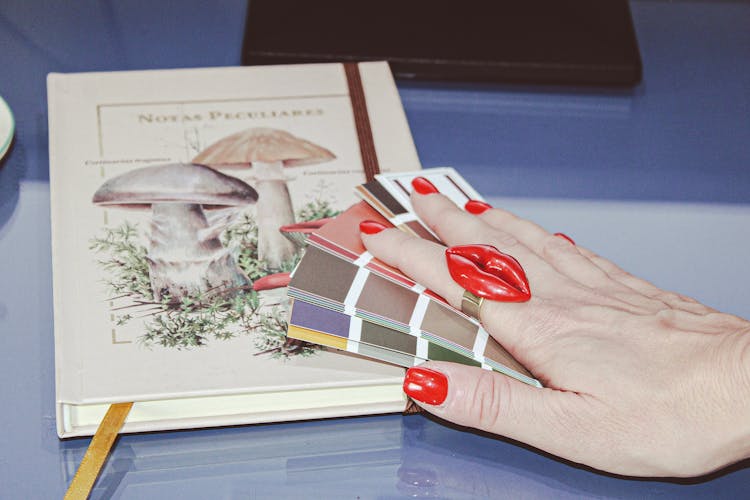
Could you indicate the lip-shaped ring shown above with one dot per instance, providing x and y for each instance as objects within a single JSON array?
[{"x": 487, "y": 272}]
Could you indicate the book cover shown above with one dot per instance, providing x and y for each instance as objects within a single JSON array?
[{"x": 178, "y": 198}]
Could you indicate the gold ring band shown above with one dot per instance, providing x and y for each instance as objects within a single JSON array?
[{"x": 471, "y": 304}]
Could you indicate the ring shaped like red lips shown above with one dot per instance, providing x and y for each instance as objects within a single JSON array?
[{"x": 487, "y": 272}]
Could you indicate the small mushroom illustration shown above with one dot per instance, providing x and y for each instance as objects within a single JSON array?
[
  {"x": 185, "y": 254},
  {"x": 266, "y": 152}
]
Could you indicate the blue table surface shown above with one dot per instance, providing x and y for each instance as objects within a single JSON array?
[{"x": 665, "y": 165}]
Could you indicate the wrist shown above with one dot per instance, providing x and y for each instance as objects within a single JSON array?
[
  {"x": 744, "y": 394},
  {"x": 738, "y": 352}
]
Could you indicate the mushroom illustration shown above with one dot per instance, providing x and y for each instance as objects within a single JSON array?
[
  {"x": 185, "y": 254},
  {"x": 266, "y": 152}
]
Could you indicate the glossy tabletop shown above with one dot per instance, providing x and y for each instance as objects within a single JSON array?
[{"x": 656, "y": 178}]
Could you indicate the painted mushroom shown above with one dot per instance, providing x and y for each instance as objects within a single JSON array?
[
  {"x": 185, "y": 254},
  {"x": 266, "y": 152}
]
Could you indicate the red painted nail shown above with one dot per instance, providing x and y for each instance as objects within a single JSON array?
[
  {"x": 566, "y": 237},
  {"x": 423, "y": 186},
  {"x": 477, "y": 207},
  {"x": 425, "y": 385},
  {"x": 371, "y": 227}
]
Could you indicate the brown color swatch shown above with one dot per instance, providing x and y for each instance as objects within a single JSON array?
[
  {"x": 388, "y": 338},
  {"x": 388, "y": 299},
  {"x": 378, "y": 192},
  {"x": 445, "y": 323},
  {"x": 418, "y": 229},
  {"x": 325, "y": 273}
]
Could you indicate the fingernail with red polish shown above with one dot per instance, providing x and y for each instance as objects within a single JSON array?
[
  {"x": 423, "y": 186},
  {"x": 371, "y": 227},
  {"x": 425, "y": 385},
  {"x": 566, "y": 237},
  {"x": 477, "y": 207}
]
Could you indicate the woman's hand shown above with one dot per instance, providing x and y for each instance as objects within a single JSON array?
[{"x": 638, "y": 381}]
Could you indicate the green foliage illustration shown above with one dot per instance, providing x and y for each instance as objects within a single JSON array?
[
  {"x": 316, "y": 209},
  {"x": 194, "y": 320}
]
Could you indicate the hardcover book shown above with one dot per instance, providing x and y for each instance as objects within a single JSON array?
[{"x": 180, "y": 200}]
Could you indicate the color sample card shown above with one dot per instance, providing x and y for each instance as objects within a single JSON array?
[
  {"x": 344, "y": 344},
  {"x": 341, "y": 237},
  {"x": 352, "y": 290},
  {"x": 389, "y": 195},
  {"x": 396, "y": 214},
  {"x": 346, "y": 333},
  {"x": 347, "y": 299},
  {"x": 355, "y": 330}
]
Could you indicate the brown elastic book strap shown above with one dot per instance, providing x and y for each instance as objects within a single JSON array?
[
  {"x": 362, "y": 121},
  {"x": 97, "y": 452}
]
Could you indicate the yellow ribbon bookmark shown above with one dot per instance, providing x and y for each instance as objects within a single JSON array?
[{"x": 98, "y": 451}]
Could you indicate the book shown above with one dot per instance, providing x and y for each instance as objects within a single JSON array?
[{"x": 178, "y": 201}]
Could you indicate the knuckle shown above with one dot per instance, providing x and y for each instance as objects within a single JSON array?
[
  {"x": 602, "y": 263},
  {"x": 499, "y": 218},
  {"x": 545, "y": 322},
  {"x": 613, "y": 271},
  {"x": 727, "y": 321},
  {"x": 408, "y": 243},
  {"x": 667, "y": 318},
  {"x": 505, "y": 241},
  {"x": 555, "y": 248},
  {"x": 533, "y": 328},
  {"x": 406, "y": 248},
  {"x": 445, "y": 219},
  {"x": 487, "y": 399},
  {"x": 668, "y": 297},
  {"x": 617, "y": 273},
  {"x": 687, "y": 299}
]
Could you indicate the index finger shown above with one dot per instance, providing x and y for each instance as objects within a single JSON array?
[{"x": 422, "y": 260}]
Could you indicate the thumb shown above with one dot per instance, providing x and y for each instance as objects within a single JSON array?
[{"x": 544, "y": 418}]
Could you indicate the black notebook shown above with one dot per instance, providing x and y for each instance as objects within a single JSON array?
[{"x": 529, "y": 41}]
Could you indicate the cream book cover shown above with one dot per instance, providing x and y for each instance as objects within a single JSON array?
[{"x": 180, "y": 200}]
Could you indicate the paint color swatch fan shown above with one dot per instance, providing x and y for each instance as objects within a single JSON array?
[{"x": 344, "y": 298}]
